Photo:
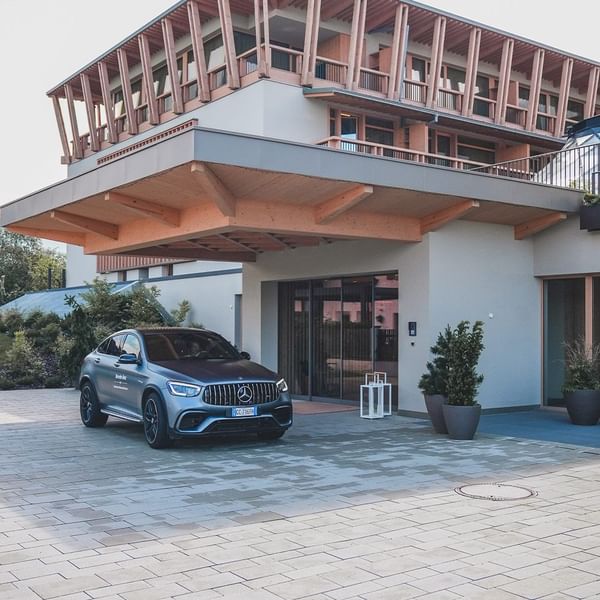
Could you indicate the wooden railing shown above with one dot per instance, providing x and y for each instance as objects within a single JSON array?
[
  {"x": 364, "y": 147},
  {"x": 515, "y": 115},
  {"x": 375, "y": 81},
  {"x": 449, "y": 99},
  {"x": 286, "y": 59},
  {"x": 484, "y": 107},
  {"x": 414, "y": 91},
  {"x": 331, "y": 70},
  {"x": 217, "y": 77},
  {"x": 247, "y": 62}
]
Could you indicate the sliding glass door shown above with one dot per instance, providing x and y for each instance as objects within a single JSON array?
[{"x": 333, "y": 331}]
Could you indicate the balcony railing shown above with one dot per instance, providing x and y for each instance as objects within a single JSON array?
[
  {"x": 449, "y": 100},
  {"x": 516, "y": 115},
  {"x": 575, "y": 168},
  {"x": 375, "y": 81},
  {"x": 364, "y": 147},
  {"x": 331, "y": 70},
  {"x": 414, "y": 91}
]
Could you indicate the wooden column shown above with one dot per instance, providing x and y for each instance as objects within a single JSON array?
[
  {"x": 535, "y": 89},
  {"x": 77, "y": 149},
  {"x": 132, "y": 126},
  {"x": 198, "y": 48},
  {"x": 91, "y": 113},
  {"x": 233, "y": 73},
  {"x": 267, "y": 36},
  {"x": 261, "y": 27},
  {"x": 109, "y": 107},
  {"x": 356, "y": 15},
  {"x": 398, "y": 60},
  {"x": 148, "y": 78},
  {"x": 592, "y": 92},
  {"x": 62, "y": 132},
  {"x": 563, "y": 97},
  {"x": 504, "y": 80},
  {"x": 311, "y": 40},
  {"x": 471, "y": 73},
  {"x": 171, "y": 55},
  {"x": 437, "y": 57}
]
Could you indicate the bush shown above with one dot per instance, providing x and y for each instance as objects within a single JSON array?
[
  {"x": 465, "y": 349},
  {"x": 435, "y": 381},
  {"x": 582, "y": 367},
  {"x": 22, "y": 363}
]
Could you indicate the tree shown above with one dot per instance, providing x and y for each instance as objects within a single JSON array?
[{"x": 24, "y": 265}]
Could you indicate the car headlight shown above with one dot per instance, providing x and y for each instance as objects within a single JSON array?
[
  {"x": 178, "y": 388},
  {"x": 282, "y": 386}
]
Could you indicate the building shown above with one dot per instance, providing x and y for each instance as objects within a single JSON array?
[{"x": 371, "y": 164}]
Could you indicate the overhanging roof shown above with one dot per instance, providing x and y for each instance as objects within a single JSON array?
[{"x": 211, "y": 194}]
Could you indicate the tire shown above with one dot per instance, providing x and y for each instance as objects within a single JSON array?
[
  {"x": 271, "y": 435},
  {"x": 156, "y": 426},
  {"x": 89, "y": 407}
]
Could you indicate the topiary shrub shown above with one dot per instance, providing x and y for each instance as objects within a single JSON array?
[{"x": 435, "y": 381}]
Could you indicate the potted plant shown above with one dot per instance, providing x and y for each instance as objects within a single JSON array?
[
  {"x": 589, "y": 213},
  {"x": 462, "y": 412},
  {"x": 434, "y": 383},
  {"x": 582, "y": 383}
]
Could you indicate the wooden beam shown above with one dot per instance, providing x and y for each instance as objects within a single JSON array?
[
  {"x": 109, "y": 107},
  {"x": 148, "y": 78},
  {"x": 89, "y": 109},
  {"x": 399, "y": 43},
  {"x": 219, "y": 193},
  {"x": 592, "y": 92},
  {"x": 282, "y": 245},
  {"x": 529, "y": 228},
  {"x": 267, "y": 35},
  {"x": 536, "y": 88},
  {"x": 360, "y": 45},
  {"x": 165, "y": 214},
  {"x": 260, "y": 51},
  {"x": 233, "y": 73},
  {"x": 354, "y": 33},
  {"x": 229, "y": 237},
  {"x": 305, "y": 78},
  {"x": 436, "y": 220},
  {"x": 508, "y": 47},
  {"x": 314, "y": 42},
  {"x": 57, "y": 235},
  {"x": 132, "y": 124},
  {"x": 471, "y": 73},
  {"x": 192, "y": 253},
  {"x": 332, "y": 208},
  {"x": 77, "y": 149},
  {"x": 198, "y": 48},
  {"x": 102, "y": 228},
  {"x": 437, "y": 57},
  {"x": 169, "y": 43},
  {"x": 563, "y": 96},
  {"x": 331, "y": 9},
  {"x": 62, "y": 132}
]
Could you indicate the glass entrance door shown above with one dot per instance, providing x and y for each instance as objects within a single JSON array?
[{"x": 333, "y": 331}]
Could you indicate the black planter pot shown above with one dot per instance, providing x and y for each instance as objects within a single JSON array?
[
  {"x": 436, "y": 414},
  {"x": 589, "y": 218},
  {"x": 461, "y": 421},
  {"x": 583, "y": 406}
]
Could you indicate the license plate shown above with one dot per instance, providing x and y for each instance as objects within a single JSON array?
[{"x": 244, "y": 411}]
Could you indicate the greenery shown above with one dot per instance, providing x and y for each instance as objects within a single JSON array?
[
  {"x": 43, "y": 349},
  {"x": 465, "y": 347},
  {"x": 582, "y": 367},
  {"x": 435, "y": 380},
  {"x": 590, "y": 199},
  {"x": 24, "y": 265}
]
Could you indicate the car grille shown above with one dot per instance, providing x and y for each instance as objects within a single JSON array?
[{"x": 228, "y": 394}]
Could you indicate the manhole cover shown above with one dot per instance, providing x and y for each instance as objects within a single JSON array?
[{"x": 495, "y": 491}]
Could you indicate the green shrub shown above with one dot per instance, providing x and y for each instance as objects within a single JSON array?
[
  {"x": 22, "y": 363},
  {"x": 435, "y": 381},
  {"x": 582, "y": 367}
]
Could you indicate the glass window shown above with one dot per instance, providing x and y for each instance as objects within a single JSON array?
[
  {"x": 575, "y": 110},
  {"x": 482, "y": 86},
  {"x": 131, "y": 345},
  {"x": 162, "y": 83},
  {"x": 214, "y": 52},
  {"x": 418, "y": 69},
  {"x": 243, "y": 41},
  {"x": 112, "y": 345},
  {"x": 187, "y": 345},
  {"x": 456, "y": 79},
  {"x": 564, "y": 323},
  {"x": 118, "y": 103},
  {"x": 349, "y": 126},
  {"x": 192, "y": 69},
  {"x": 136, "y": 92},
  {"x": 523, "y": 97}
]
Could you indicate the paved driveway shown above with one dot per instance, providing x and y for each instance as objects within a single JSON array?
[{"x": 340, "y": 508}]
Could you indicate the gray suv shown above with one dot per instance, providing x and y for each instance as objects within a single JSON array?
[{"x": 181, "y": 383}]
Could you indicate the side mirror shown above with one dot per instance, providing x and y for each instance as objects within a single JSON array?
[
  {"x": 129, "y": 359},
  {"x": 245, "y": 355}
]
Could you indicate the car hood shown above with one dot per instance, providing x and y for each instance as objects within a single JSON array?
[{"x": 214, "y": 371}]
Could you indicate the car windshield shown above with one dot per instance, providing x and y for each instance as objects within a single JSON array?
[{"x": 183, "y": 345}]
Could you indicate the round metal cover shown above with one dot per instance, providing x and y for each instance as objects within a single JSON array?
[{"x": 495, "y": 491}]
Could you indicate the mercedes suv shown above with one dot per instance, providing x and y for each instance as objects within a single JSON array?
[{"x": 180, "y": 383}]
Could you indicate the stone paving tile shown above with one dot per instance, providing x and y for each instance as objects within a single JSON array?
[{"x": 340, "y": 509}]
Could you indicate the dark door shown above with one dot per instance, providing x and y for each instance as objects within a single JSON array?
[
  {"x": 130, "y": 379},
  {"x": 104, "y": 368}
]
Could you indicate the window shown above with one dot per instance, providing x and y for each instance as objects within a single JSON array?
[
  {"x": 118, "y": 103},
  {"x": 379, "y": 131},
  {"x": 418, "y": 71},
  {"x": 214, "y": 52},
  {"x": 455, "y": 79},
  {"x": 143, "y": 273},
  {"x": 574, "y": 111},
  {"x": 188, "y": 345},
  {"x": 131, "y": 345},
  {"x": 482, "y": 90},
  {"x": 476, "y": 150},
  {"x": 547, "y": 109},
  {"x": 112, "y": 345},
  {"x": 523, "y": 97},
  {"x": 243, "y": 42}
]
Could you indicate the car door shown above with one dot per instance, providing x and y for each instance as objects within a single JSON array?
[
  {"x": 130, "y": 379},
  {"x": 104, "y": 368}
]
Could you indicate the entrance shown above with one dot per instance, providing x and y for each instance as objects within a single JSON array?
[{"x": 333, "y": 331}]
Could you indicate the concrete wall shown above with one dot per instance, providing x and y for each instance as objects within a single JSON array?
[
  {"x": 478, "y": 270},
  {"x": 566, "y": 250},
  {"x": 81, "y": 268}
]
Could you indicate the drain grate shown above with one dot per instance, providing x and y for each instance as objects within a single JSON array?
[{"x": 497, "y": 492}]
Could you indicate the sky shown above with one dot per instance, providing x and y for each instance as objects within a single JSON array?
[{"x": 44, "y": 41}]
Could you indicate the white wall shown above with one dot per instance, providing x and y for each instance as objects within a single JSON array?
[
  {"x": 480, "y": 269},
  {"x": 566, "y": 250},
  {"x": 80, "y": 267}
]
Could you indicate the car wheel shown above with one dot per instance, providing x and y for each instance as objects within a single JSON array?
[
  {"x": 271, "y": 435},
  {"x": 89, "y": 407},
  {"x": 155, "y": 423}
]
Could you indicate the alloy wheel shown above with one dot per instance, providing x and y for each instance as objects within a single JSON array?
[{"x": 151, "y": 420}]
